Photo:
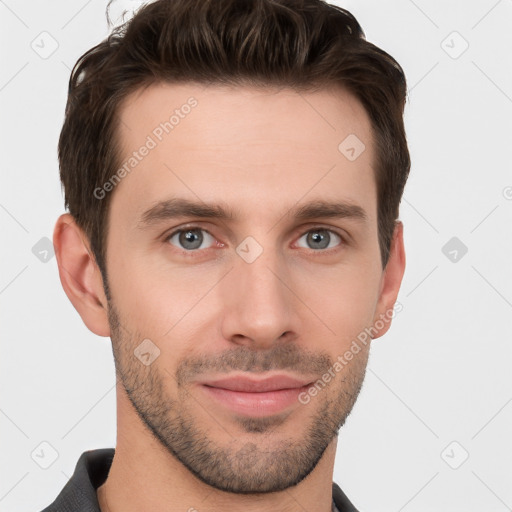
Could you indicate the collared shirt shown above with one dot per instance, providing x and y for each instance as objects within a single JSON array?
[{"x": 91, "y": 471}]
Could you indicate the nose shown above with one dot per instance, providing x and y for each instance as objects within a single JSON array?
[{"x": 259, "y": 308}]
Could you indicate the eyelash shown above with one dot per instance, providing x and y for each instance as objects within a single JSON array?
[{"x": 316, "y": 252}]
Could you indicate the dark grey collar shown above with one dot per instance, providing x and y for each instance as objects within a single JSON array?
[{"x": 79, "y": 494}]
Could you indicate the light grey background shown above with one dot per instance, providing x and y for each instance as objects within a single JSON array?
[{"x": 442, "y": 373}]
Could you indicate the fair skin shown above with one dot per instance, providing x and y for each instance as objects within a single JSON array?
[{"x": 211, "y": 313}]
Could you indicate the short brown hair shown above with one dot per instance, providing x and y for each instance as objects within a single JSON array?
[{"x": 304, "y": 44}]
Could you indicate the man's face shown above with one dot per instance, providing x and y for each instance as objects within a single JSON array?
[{"x": 260, "y": 293}]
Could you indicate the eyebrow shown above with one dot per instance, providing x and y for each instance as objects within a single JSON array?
[{"x": 178, "y": 207}]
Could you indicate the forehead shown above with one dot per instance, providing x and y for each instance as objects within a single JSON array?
[{"x": 252, "y": 147}]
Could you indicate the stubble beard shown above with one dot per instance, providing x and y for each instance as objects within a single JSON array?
[{"x": 262, "y": 459}]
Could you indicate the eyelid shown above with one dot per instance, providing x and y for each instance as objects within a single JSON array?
[{"x": 338, "y": 231}]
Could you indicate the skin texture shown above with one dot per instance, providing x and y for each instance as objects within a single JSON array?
[{"x": 294, "y": 309}]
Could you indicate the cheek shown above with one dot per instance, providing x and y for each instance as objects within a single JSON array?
[
  {"x": 160, "y": 302},
  {"x": 344, "y": 298}
]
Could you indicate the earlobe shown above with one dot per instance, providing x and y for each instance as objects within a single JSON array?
[
  {"x": 390, "y": 284},
  {"x": 80, "y": 275}
]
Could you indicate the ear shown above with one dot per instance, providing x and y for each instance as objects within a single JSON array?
[
  {"x": 390, "y": 283},
  {"x": 80, "y": 275}
]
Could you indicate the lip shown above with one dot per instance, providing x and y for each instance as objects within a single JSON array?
[
  {"x": 251, "y": 385},
  {"x": 256, "y": 397}
]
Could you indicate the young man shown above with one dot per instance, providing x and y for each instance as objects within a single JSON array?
[{"x": 233, "y": 171}]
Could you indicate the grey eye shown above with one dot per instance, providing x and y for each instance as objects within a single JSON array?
[
  {"x": 190, "y": 239},
  {"x": 320, "y": 238}
]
